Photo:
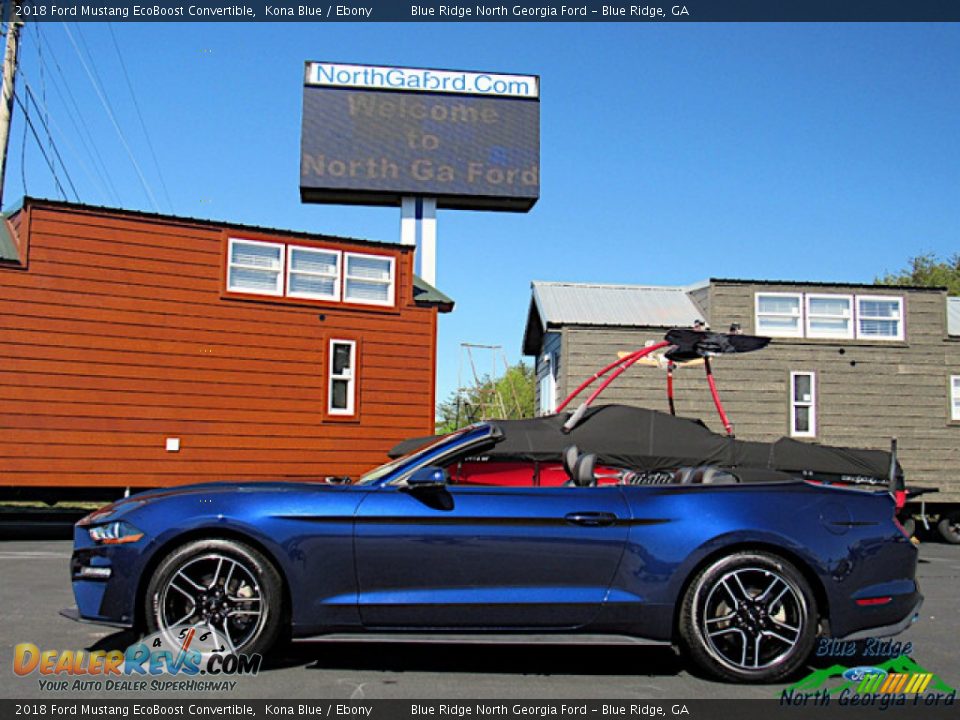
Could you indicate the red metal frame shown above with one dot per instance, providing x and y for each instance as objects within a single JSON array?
[{"x": 620, "y": 366}]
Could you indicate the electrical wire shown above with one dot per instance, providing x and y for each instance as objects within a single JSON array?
[
  {"x": 23, "y": 159},
  {"x": 113, "y": 119},
  {"x": 43, "y": 84},
  {"x": 46, "y": 127},
  {"x": 36, "y": 136},
  {"x": 143, "y": 125},
  {"x": 80, "y": 126},
  {"x": 41, "y": 105}
]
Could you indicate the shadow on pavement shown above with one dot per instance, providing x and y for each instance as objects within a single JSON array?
[{"x": 482, "y": 658}]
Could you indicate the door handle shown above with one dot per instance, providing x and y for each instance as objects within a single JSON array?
[{"x": 591, "y": 519}]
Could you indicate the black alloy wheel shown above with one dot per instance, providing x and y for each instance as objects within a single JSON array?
[
  {"x": 221, "y": 587},
  {"x": 749, "y": 617}
]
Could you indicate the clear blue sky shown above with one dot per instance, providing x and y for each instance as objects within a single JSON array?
[{"x": 670, "y": 153}]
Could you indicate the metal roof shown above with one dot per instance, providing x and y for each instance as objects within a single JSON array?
[
  {"x": 614, "y": 305},
  {"x": 8, "y": 248},
  {"x": 424, "y": 292},
  {"x": 953, "y": 316},
  {"x": 205, "y": 222}
]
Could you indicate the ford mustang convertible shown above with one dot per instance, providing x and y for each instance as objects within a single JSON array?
[{"x": 740, "y": 553}]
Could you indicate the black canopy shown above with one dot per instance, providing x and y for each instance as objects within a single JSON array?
[{"x": 644, "y": 439}]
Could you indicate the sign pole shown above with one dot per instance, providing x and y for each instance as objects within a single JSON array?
[
  {"x": 428, "y": 241},
  {"x": 418, "y": 226}
]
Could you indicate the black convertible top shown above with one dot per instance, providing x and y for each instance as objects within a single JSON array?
[{"x": 644, "y": 439}]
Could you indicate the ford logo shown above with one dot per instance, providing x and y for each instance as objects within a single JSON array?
[{"x": 856, "y": 674}]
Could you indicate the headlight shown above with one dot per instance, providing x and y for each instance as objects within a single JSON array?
[{"x": 115, "y": 533}]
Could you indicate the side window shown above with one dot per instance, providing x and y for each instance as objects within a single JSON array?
[
  {"x": 342, "y": 383},
  {"x": 547, "y": 390},
  {"x": 313, "y": 273},
  {"x": 369, "y": 279},
  {"x": 803, "y": 404},
  {"x": 779, "y": 314},
  {"x": 955, "y": 397},
  {"x": 830, "y": 316},
  {"x": 880, "y": 318},
  {"x": 255, "y": 267}
]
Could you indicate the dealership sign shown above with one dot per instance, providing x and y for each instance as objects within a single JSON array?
[
  {"x": 376, "y": 77},
  {"x": 375, "y": 134}
]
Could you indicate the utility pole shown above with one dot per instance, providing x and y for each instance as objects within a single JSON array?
[{"x": 9, "y": 77}]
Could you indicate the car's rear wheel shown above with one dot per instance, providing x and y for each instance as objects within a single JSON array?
[
  {"x": 225, "y": 588},
  {"x": 749, "y": 617}
]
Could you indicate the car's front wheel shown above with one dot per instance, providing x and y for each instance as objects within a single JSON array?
[
  {"x": 749, "y": 617},
  {"x": 225, "y": 588}
]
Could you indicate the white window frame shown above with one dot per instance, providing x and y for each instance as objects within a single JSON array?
[
  {"x": 794, "y": 404},
  {"x": 278, "y": 290},
  {"x": 351, "y": 378},
  {"x": 779, "y": 333},
  {"x": 392, "y": 282},
  {"x": 955, "y": 398},
  {"x": 551, "y": 388},
  {"x": 335, "y": 296},
  {"x": 901, "y": 320},
  {"x": 809, "y": 315}
]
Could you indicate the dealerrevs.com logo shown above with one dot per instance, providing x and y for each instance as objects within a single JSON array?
[{"x": 168, "y": 661}]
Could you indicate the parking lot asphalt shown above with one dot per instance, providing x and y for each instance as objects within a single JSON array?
[{"x": 35, "y": 586}]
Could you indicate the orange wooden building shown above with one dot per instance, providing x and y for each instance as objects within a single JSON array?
[{"x": 141, "y": 350}]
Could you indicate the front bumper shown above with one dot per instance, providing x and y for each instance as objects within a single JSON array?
[
  {"x": 74, "y": 614},
  {"x": 109, "y": 599}
]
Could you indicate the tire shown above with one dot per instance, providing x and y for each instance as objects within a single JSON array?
[
  {"x": 749, "y": 617},
  {"x": 949, "y": 528},
  {"x": 225, "y": 586},
  {"x": 909, "y": 526}
]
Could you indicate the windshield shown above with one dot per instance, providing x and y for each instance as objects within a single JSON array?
[{"x": 447, "y": 445}]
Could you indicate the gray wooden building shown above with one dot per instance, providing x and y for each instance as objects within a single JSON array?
[{"x": 848, "y": 364}]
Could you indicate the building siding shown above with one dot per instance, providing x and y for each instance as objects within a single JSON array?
[
  {"x": 867, "y": 391},
  {"x": 119, "y": 335}
]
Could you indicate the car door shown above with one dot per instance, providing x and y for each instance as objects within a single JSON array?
[{"x": 504, "y": 557}]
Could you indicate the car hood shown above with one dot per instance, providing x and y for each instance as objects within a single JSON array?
[{"x": 121, "y": 507}]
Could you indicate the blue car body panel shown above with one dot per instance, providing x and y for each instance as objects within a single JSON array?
[{"x": 616, "y": 558}]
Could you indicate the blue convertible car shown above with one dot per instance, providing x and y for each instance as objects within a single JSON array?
[{"x": 740, "y": 553}]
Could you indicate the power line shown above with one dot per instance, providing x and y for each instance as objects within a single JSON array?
[
  {"x": 143, "y": 125},
  {"x": 113, "y": 119},
  {"x": 36, "y": 136},
  {"x": 43, "y": 121},
  {"x": 41, "y": 105},
  {"x": 43, "y": 84},
  {"x": 80, "y": 126}
]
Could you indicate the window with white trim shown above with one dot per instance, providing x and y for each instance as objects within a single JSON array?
[
  {"x": 341, "y": 389},
  {"x": 368, "y": 279},
  {"x": 779, "y": 314},
  {"x": 548, "y": 386},
  {"x": 955, "y": 397},
  {"x": 829, "y": 316},
  {"x": 879, "y": 318},
  {"x": 313, "y": 273},
  {"x": 803, "y": 404},
  {"x": 255, "y": 267}
]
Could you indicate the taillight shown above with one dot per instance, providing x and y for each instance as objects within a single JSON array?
[{"x": 864, "y": 602}]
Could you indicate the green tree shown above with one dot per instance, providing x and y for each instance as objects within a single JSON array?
[
  {"x": 928, "y": 270},
  {"x": 509, "y": 397}
]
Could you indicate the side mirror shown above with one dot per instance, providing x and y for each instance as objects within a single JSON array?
[{"x": 430, "y": 476}]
